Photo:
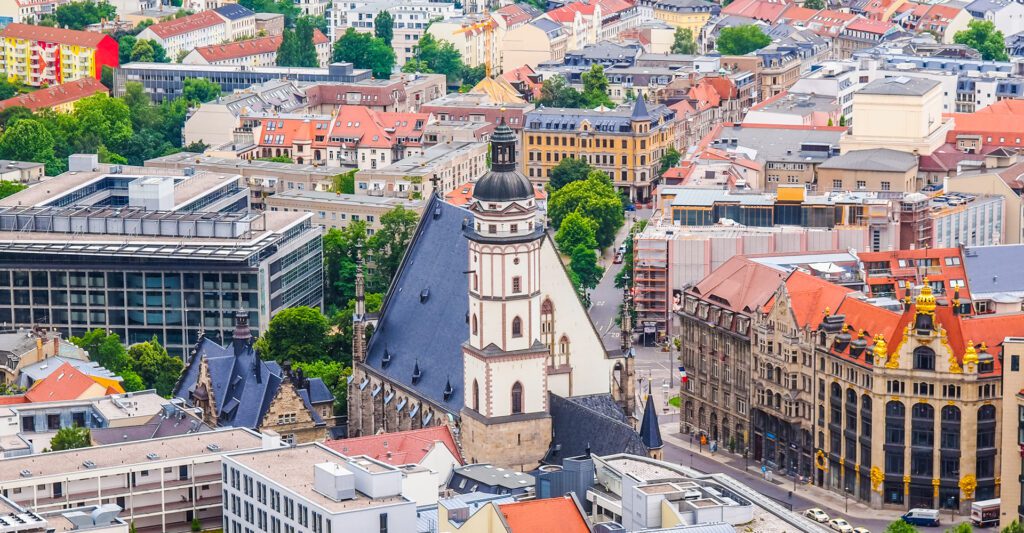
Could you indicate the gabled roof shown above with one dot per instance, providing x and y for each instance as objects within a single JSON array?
[
  {"x": 740, "y": 285},
  {"x": 516, "y": 14},
  {"x": 545, "y": 515},
  {"x": 234, "y": 11},
  {"x": 809, "y": 295},
  {"x": 766, "y": 10},
  {"x": 878, "y": 27},
  {"x": 56, "y": 95},
  {"x": 175, "y": 27},
  {"x": 593, "y": 423},
  {"x": 250, "y": 47},
  {"x": 499, "y": 90},
  {"x": 69, "y": 383},
  {"x": 402, "y": 448},
  {"x": 30, "y": 32},
  {"x": 567, "y": 13},
  {"x": 610, "y": 7}
]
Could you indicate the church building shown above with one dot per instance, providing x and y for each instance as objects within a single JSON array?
[{"x": 482, "y": 330}]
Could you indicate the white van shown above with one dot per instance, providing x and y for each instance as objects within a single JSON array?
[{"x": 922, "y": 517}]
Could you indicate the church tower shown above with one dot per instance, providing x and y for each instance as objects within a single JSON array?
[{"x": 505, "y": 419}]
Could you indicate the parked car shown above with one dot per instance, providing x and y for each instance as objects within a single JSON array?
[
  {"x": 840, "y": 525},
  {"x": 618, "y": 257},
  {"x": 817, "y": 515},
  {"x": 922, "y": 517},
  {"x": 861, "y": 530}
]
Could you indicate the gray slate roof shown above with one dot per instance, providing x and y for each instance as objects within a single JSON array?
[
  {"x": 875, "y": 159},
  {"x": 436, "y": 257},
  {"x": 899, "y": 86},
  {"x": 993, "y": 270},
  {"x": 234, "y": 11},
  {"x": 595, "y": 422},
  {"x": 778, "y": 144}
]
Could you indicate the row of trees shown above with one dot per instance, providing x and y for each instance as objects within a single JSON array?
[
  {"x": 297, "y": 48},
  {"x": 142, "y": 366},
  {"x": 900, "y": 526},
  {"x": 130, "y": 129},
  {"x": 556, "y": 92},
  {"x": 587, "y": 212}
]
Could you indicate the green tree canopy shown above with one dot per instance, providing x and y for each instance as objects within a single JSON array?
[
  {"x": 963, "y": 527},
  {"x": 583, "y": 263},
  {"x": 101, "y": 120},
  {"x": 71, "y": 438},
  {"x": 340, "y": 255},
  {"x": 594, "y": 198},
  {"x": 555, "y": 92},
  {"x": 8, "y": 188},
  {"x": 388, "y": 244},
  {"x": 682, "y": 42},
  {"x": 78, "y": 15},
  {"x": 384, "y": 26},
  {"x": 568, "y": 170},
  {"x": 104, "y": 349},
  {"x": 983, "y": 36},
  {"x": 1014, "y": 527},
  {"x": 345, "y": 183},
  {"x": 741, "y": 40},
  {"x": 297, "y": 48},
  {"x": 200, "y": 90},
  {"x": 289, "y": 9},
  {"x": 440, "y": 57},
  {"x": 365, "y": 51},
  {"x": 576, "y": 230},
  {"x": 297, "y": 334},
  {"x": 900, "y": 526},
  {"x": 595, "y": 87},
  {"x": 28, "y": 140},
  {"x": 334, "y": 374},
  {"x": 155, "y": 367},
  {"x": 669, "y": 159}
]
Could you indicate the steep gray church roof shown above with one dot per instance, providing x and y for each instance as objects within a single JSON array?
[
  {"x": 595, "y": 423},
  {"x": 423, "y": 319}
]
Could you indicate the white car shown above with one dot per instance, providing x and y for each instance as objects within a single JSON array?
[
  {"x": 817, "y": 515},
  {"x": 860, "y": 530},
  {"x": 840, "y": 525}
]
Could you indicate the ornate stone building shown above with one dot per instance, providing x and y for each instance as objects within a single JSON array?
[
  {"x": 235, "y": 388},
  {"x": 481, "y": 327},
  {"x": 901, "y": 406}
]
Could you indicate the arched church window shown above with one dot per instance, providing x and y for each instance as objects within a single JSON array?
[
  {"x": 474, "y": 324},
  {"x": 517, "y": 327},
  {"x": 517, "y": 398},
  {"x": 476, "y": 396},
  {"x": 563, "y": 345}
]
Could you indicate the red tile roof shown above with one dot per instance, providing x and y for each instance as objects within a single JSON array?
[
  {"x": 56, "y": 95},
  {"x": 610, "y": 7},
  {"x": 407, "y": 126},
  {"x": 547, "y": 515},
  {"x": 810, "y": 295},
  {"x": 740, "y": 285},
  {"x": 514, "y": 15},
  {"x": 567, "y": 13},
  {"x": 524, "y": 75},
  {"x": 171, "y": 28},
  {"x": 797, "y": 13},
  {"x": 66, "y": 383},
  {"x": 878, "y": 27},
  {"x": 250, "y": 47},
  {"x": 463, "y": 195},
  {"x": 766, "y": 10},
  {"x": 402, "y": 448},
  {"x": 1001, "y": 120},
  {"x": 30, "y": 32}
]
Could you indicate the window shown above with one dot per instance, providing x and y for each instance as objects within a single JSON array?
[
  {"x": 517, "y": 327},
  {"x": 837, "y": 184},
  {"x": 861, "y": 184},
  {"x": 384, "y": 523},
  {"x": 517, "y": 398},
  {"x": 517, "y": 284},
  {"x": 924, "y": 358},
  {"x": 474, "y": 324},
  {"x": 476, "y": 396},
  {"x": 885, "y": 186}
]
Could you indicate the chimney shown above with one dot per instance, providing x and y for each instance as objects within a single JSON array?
[
  {"x": 241, "y": 339},
  {"x": 56, "y": 346}
]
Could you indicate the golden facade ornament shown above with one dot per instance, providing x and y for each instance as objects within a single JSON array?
[
  {"x": 968, "y": 484},
  {"x": 935, "y": 485},
  {"x": 906, "y": 483},
  {"x": 877, "y": 477},
  {"x": 925, "y": 301},
  {"x": 819, "y": 461},
  {"x": 970, "y": 356},
  {"x": 880, "y": 350}
]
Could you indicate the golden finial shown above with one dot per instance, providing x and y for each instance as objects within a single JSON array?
[
  {"x": 828, "y": 311},
  {"x": 880, "y": 350},
  {"x": 970, "y": 355},
  {"x": 926, "y": 300}
]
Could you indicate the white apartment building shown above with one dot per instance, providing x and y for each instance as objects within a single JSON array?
[
  {"x": 410, "y": 20},
  {"x": 313, "y": 488},
  {"x": 161, "y": 484},
  {"x": 224, "y": 24}
]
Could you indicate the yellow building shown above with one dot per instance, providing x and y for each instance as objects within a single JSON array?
[
  {"x": 686, "y": 14},
  {"x": 39, "y": 55},
  {"x": 625, "y": 143}
]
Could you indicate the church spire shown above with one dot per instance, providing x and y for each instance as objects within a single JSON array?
[
  {"x": 359, "y": 316},
  {"x": 650, "y": 432}
]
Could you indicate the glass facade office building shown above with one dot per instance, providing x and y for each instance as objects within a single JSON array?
[{"x": 143, "y": 273}]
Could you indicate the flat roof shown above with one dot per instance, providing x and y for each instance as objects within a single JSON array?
[
  {"x": 192, "y": 158},
  {"x": 427, "y": 163},
  {"x": 900, "y": 86},
  {"x": 292, "y": 468},
  {"x": 496, "y": 477},
  {"x": 323, "y": 71},
  {"x": 345, "y": 199},
  {"x": 128, "y": 454}
]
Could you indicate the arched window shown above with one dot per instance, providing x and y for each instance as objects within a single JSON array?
[
  {"x": 924, "y": 358},
  {"x": 563, "y": 345},
  {"x": 476, "y": 396},
  {"x": 517, "y": 398},
  {"x": 517, "y": 327},
  {"x": 474, "y": 324}
]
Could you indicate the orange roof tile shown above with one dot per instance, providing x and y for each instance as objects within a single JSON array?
[
  {"x": 739, "y": 284},
  {"x": 879, "y": 27},
  {"x": 360, "y": 123},
  {"x": 810, "y": 295},
  {"x": 67, "y": 383},
  {"x": 12, "y": 400},
  {"x": 609, "y": 7},
  {"x": 766, "y": 10},
  {"x": 407, "y": 126},
  {"x": 171, "y": 28},
  {"x": 30, "y": 32},
  {"x": 250, "y": 47},
  {"x": 567, "y": 13},
  {"x": 402, "y": 448},
  {"x": 463, "y": 195},
  {"x": 56, "y": 95},
  {"x": 547, "y": 515},
  {"x": 797, "y": 13}
]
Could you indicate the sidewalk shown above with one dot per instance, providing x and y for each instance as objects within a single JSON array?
[{"x": 826, "y": 498}]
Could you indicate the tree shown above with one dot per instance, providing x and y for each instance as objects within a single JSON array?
[
  {"x": 741, "y": 40},
  {"x": 341, "y": 322},
  {"x": 388, "y": 244},
  {"x": 8, "y": 188},
  {"x": 297, "y": 48},
  {"x": 340, "y": 249},
  {"x": 196, "y": 525},
  {"x": 683, "y": 43},
  {"x": 961, "y": 528},
  {"x": 1014, "y": 527},
  {"x": 595, "y": 87},
  {"x": 567, "y": 171},
  {"x": 297, "y": 334},
  {"x": 200, "y": 90},
  {"x": 7, "y": 89},
  {"x": 345, "y": 183},
  {"x": 334, "y": 374},
  {"x": 78, "y": 15},
  {"x": 157, "y": 369},
  {"x": 143, "y": 51},
  {"x": 576, "y": 230},
  {"x": 440, "y": 57},
  {"x": 555, "y": 92},
  {"x": 11, "y": 115},
  {"x": 595, "y": 198},
  {"x": 28, "y": 140},
  {"x": 983, "y": 36},
  {"x": 70, "y": 438},
  {"x": 289, "y": 9},
  {"x": 101, "y": 120},
  {"x": 842, "y": 120},
  {"x": 276, "y": 159},
  {"x": 472, "y": 75},
  {"x": 365, "y": 51},
  {"x": 413, "y": 65},
  {"x": 384, "y": 26},
  {"x": 900, "y": 526},
  {"x": 125, "y": 45},
  {"x": 583, "y": 263},
  {"x": 814, "y": 4},
  {"x": 669, "y": 159},
  {"x": 8, "y": 388}
]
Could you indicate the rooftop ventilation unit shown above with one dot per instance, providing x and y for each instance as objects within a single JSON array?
[{"x": 152, "y": 456}]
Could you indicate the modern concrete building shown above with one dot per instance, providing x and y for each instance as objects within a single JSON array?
[
  {"x": 162, "y": 81},
  {"x": 162, "y": 484},
  {"x": 313, "y": 488}
]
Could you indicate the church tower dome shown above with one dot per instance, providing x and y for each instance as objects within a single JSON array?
[
  {"x": 504, "y": 204},
  {"x": 504, "y": 182}
]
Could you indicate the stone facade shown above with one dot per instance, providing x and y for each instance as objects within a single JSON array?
[
  {"x": 516, "y": 441},
  {"x": 377, "y": 405},
  {"x": 289, "y": 417}
]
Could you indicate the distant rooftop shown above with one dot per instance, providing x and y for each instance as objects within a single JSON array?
[
  {"x": 347, "y": 199},
  {"x": 496, "y": 477},
  {"x": 875, "y": 159},
  {"x": 900, "y": 86}
]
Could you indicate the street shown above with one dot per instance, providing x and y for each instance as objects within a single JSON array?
[{"x": 655, "y": 368}]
